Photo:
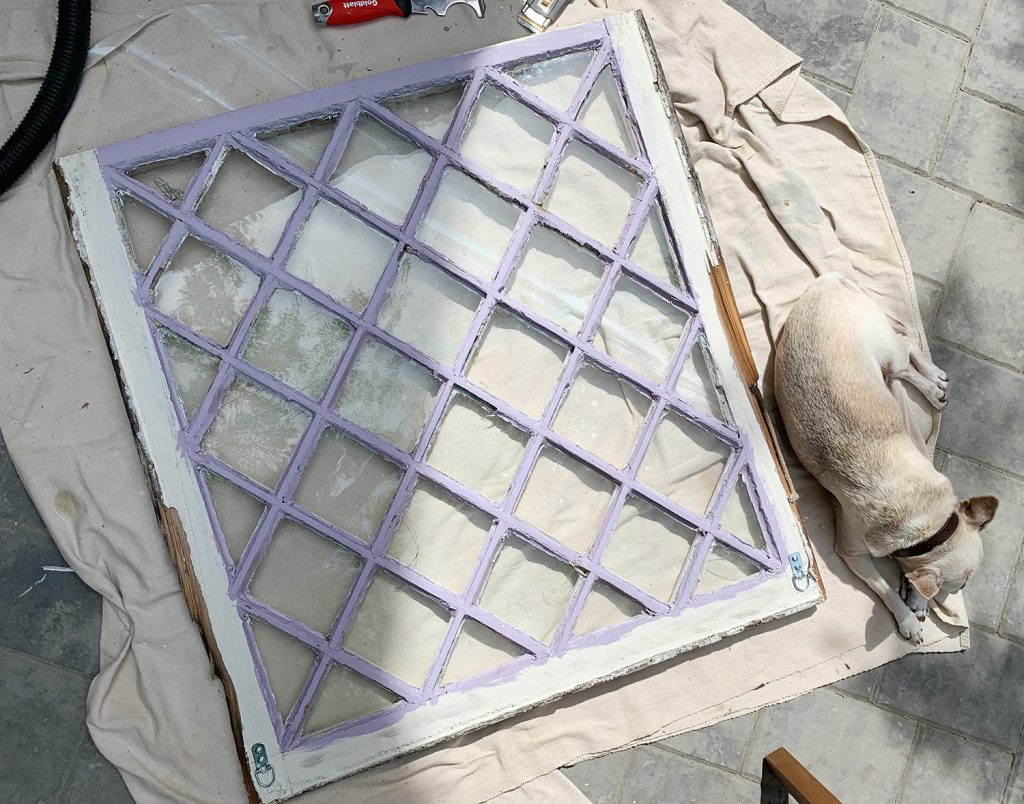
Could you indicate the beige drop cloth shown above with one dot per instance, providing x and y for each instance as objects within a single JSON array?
[{"x": 792, "y": 193}]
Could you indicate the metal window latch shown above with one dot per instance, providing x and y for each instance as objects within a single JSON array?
[
  {"x": 539, "y": 15},
  {"x": 802, "y": 577},
  {"x": 264, "y": 771}
]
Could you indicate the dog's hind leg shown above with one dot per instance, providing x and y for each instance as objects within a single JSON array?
[
  {"x": 927, "y": 368},
  {"x": 906, "y": 620}
]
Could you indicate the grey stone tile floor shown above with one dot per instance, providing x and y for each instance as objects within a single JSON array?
[{"x": 937, "y": 88}]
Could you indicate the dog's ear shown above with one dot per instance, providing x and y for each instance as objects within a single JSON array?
[
  {"x": 979, "y": 510},
  {"x": 926, "y": 581}
]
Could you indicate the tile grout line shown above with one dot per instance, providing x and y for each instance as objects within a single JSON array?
[
  {"x": 914, "y": 745},
  {"x": 938, "y": 26},
  {"x": 72, "y": 765},
  {"x": 677, "y": 753},
  {"x": 48, "y": 662},
  {"x": 829, "y": 82},
  {"x": 1005, "y": 472},
  {"x": 943, "y": 136},
  {"x": 932, "y": 724},
  {"x": 863, "y": 63},
  {"x": 1009, "y": 586},
  {"x": 983, "y": 358},
  {"x": 620, "y": 787},
  {"x": 950, "y": 268},
  {"x": 749, "y": 744}
]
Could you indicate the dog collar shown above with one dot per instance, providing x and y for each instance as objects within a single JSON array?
[{"x": 941, "y": 536}]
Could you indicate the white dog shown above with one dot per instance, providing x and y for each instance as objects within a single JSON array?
[{"x": 836, "y": 354}]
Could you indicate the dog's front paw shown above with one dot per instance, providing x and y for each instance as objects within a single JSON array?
[
  {"x": 915, "y": 601},
  {"x": 911, "y": 628}
]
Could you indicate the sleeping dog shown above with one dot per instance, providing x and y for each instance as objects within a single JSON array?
[{"x": 834, "y": 359}]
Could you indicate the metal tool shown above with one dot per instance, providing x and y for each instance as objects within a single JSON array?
[
  {"x": 350, "y": 12},
  {"x": 538, "y": 15}
]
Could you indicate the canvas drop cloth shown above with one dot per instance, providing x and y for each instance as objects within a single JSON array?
[{"x": 793, "y": 193}]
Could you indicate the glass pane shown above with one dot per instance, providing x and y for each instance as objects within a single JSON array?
[
  {"x": 566, "y": 499},
  {"x": 305, "y": 576},
  {"x": 684, "y": 462},
  {"x": 641, "y": 329},
  {"x": 605, "y": 607},
  {"x": 723, "y": 568},
  {"x": 297, "y": 341},
  {"x": 303, "y": 143},
  {"x": 255, "y": 432},
  {"x": 340, "y": 255},
  {"x": 397, "y": 629},
  {"x": 348, "y": 485},
  {"x": 592, "y": 193},
  {"x": 192, "y": 369},
  {"x": 603, "y": 414},
  {"x": 697, "y": 385},
  {"x": 516, "y": 362},
  {"x": 604, "y": 113},
  {"x": 507, "y": 139},
  {"x": 248, "y": 203},
  {"x": 237, "y": 513},
  {"x": 477, "y": 649},
  {"x": 428, "y": 309},
  {"x": 477, "y": 447},
  {"x": 431, "y": 111},
  {"x": 381, "y": 169},
  {"x": 345, "y": 695},
  {"x": 554, "y": 80},
  {"x": 468, "y": 224},
  {"x": 653, "y": 250},
  {"x": 440, "y": 537},
  {"x": 287, "y": 663},
  {"x": 388, "y": 393},
  {"x": 170, "y": 177},
  {"x": 649, "y": 549},
  {"x": 739, "y": 516},
  {"x": 556, "y": 278},
  {"x": 144, "y": 231},
  {"x": 205, "y": 290},
  {"x": 529, "y": 589}
]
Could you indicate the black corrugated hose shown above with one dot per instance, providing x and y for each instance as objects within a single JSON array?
[{"x": 55, "y": 95}]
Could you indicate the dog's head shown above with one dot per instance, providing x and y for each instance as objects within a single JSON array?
[{"x": 948, "y": 567}]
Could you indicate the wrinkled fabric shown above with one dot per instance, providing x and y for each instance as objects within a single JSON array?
[{"x": 792, "y": 192}]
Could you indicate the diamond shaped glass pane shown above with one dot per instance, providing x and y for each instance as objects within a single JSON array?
[
  {"x": 696, "y": 383},
  {"x": 428, "y": 309},
  {"x": 593, "y": 193},
  {"x": 507, "y": 139},
  {"x": 556, "y": 278},
  {"x": 303, "y": 143},
  {"x": 340, "y": 255},
  {"x": 397, "y": 628},
  {"x": 431, "y": 111},
  {"x": 468, "y": 224},
  {"x": 604, "y": 113},
  {"x": 566, "y": 499},
  {"x": 144, "y": 230},
  {"x": 649, "y": 549},
  {"x": 517, "y": 362},
  {"x": 237, "y": 513},
  {"x": 604, "y": 608},
  {"x": 345, "y": 695},
  {"x": 205, "y": 290},
  {"x": 192, "y": 370},
  {"x": 684, "y": 462},
  {"x": 653, "y": 249},
  {"x": 297, "y": 341},
  {"x": 554, "y": 80},
  {"x": 477, "y": 447},
  {"x": 739, "y": 517},
  {"x": 286, "y": 661},
  {"x": 170, "y": 177},
  {"x": 305, "y": 576},
  {"x": 249, "y": 203},
  {"x": 381, "y": 169},
  {"x": 440, "y": 537},
  {"x": 388, "y": 393},
  {"x": 477, "y": 650},
  {"x": 724, "y": 567},
  {"x": 348, "y": 485},
  {"x": 641, "y": 329},
  {"x": 603, "y": 414},
  {"x": 255, "y": 432},
  {"x": 529, "y": 589}
]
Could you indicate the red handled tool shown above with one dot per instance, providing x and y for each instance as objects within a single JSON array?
[{"x": 350, "y": 12}]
